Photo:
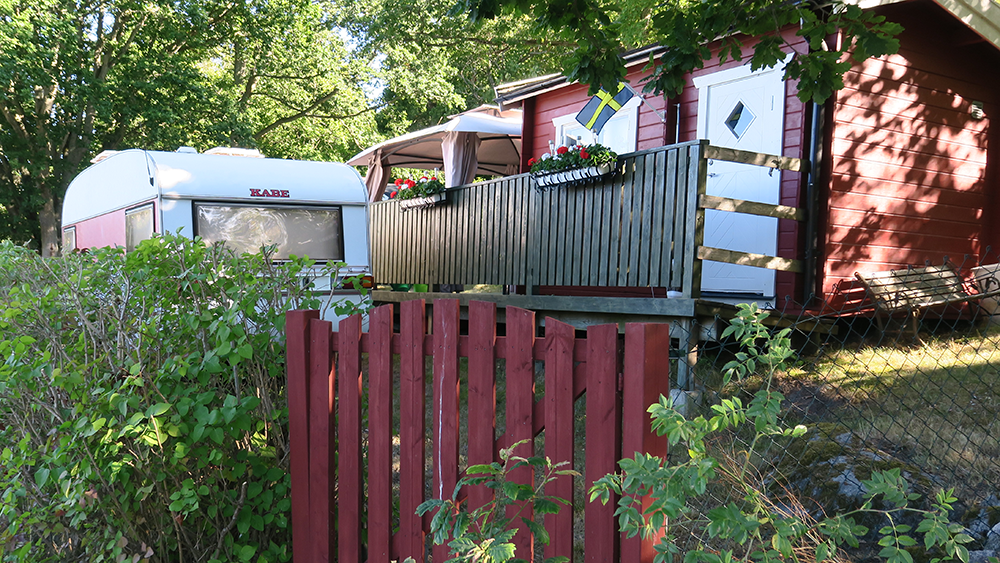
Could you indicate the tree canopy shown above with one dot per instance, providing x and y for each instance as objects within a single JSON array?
[
  {"x": 78, "y": 78},
  {"x": 601, "y": 29}
]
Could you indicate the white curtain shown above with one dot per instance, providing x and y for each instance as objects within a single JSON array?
[{"x": 459, "y": 149}]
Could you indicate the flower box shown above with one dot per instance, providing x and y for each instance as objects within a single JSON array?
[
  {"x": 422, "y": 202},
  {"x": 573, "y": 177}
]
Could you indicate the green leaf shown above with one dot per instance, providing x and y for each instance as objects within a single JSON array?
[
  {"x": 41, "y": 476},
  {"x": 157, "y": 409},
  {"x": 247, "y": 552}
]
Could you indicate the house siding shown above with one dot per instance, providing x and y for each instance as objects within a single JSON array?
[{"x": 910, "y": 174}]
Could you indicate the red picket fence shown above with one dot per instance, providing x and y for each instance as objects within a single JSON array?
[{"x": 342, "y": 513}]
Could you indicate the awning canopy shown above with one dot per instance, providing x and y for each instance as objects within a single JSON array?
[{"x": 479, "y": 142}]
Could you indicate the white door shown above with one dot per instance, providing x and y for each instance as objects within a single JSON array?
[{"x": 741, "y": 110}]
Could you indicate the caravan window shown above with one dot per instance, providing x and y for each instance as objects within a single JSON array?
[
  {"x": 138, "y": 226},
  {"x": 316, "y": 232},
  {"x": 69, "y": 239}
]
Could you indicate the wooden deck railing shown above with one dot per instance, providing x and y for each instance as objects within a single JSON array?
[{"x": 640, "y": 227}]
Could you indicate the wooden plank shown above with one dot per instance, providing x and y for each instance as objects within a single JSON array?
[
  {"x": 681, "y": 223},
  {"x": 646, "y": 374},
  {"x": 562, "y": 202},
  {"x": 757, "y": 159},
  {"x": 520, "y": 399},
  {"x": 694, "y": 219},
  {"x": 627, "y": 217},
  {"x": 592, "y": 202},
  {"x": 411, "y": 429},
  {"x": 525, "y": 256},
  {"x": 446, "y": 406},
  {"x": 750, "y": 259},
  {"x": 493, "y": 227},
  {"x": 350, "y": 482},
  {"x": 612, "y": 305},
  {"x": 575, "y": 236},
  {"x": 482, "y": 393},
  {"x": 659, "y": 227},
  {"x": 544, "y": 242},
  {"x": 608, "y": 241},
  {"x": 380, "y": 434},
  {"x": 322, "y": 451},
  {"x": 297, "y": 344},
  {"x": 751, "y": 207},
  {"x": 602, "y": 427},
  {"x": 645, "y": 233},
  {"x": 560, "y": 339}
]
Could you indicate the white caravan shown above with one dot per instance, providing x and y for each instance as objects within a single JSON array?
[{"x": 315, "y": 209}]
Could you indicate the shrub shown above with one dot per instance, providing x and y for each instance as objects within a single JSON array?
[{"x": 142, "y": 404}]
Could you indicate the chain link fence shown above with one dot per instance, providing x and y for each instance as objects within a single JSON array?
[{"x": 898, "y": 386}]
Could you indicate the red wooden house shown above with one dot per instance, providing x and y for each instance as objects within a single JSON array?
[{"x": 908, "y": 167}]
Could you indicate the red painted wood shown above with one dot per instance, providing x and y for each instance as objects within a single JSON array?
[
  {"x": 520, "y": 397},
  {"x": 380, "y": 409},
  {"x": 350, "y": 483},
  {"x": 560, "y": 338},
  {"x": 482, "y": 393},
  {"x": 411, "y": 429},
  {"x": 646, "y": 377},
  {"x": 445, "y": 407},
  {"x": 322, "y": 456},
  {"x": 297, "y": 343},
  {"x": 603, "y": 425}
]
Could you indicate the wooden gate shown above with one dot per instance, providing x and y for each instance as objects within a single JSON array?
[{"x": 355, "y": 489}]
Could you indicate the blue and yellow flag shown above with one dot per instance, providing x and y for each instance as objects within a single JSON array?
[{"x": 602, "y": 107}]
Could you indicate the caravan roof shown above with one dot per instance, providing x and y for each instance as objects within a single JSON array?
[{"x": 135, "y": 175}]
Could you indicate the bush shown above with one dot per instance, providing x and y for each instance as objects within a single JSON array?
[{"x": 142, "y": 404}]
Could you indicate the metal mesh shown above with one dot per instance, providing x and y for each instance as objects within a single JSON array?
[{"x": 916, "y": 389}]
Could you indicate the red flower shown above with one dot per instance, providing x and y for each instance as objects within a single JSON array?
[
  {"x": 562, "y": 150},
  {"x": 410, "y": 183},
  {"x": 433, "y": 177},
  {"x": 399, "y": 182},
  {"x": 531, "y": 161},
  {"x": 584, "y": 154},
  {"x": 393, "y": 194}
]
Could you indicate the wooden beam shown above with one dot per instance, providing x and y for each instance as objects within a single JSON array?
[
  {"x": 751, "y": 207},
  {"x": 750, "y": 259},
  {"x": 757, "y": 159}
]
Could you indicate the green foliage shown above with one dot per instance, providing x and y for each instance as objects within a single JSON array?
[
  {"x": 571, "y": 158},
  {"x": 601, "y": 30},
  {"x": 142, "y": 403},
  {"x": 485, "y": 535},
  {"x": 758, "y": 525}
]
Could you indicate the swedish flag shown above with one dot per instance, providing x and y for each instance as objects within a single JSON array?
[{"x": 602, "y": 107}]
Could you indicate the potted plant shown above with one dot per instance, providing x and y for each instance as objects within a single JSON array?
[
  {"x": 572, "y": 165},
  {"x": 418, "y": 194}
]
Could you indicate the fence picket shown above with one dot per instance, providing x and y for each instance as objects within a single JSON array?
[
  {"x": 322, "y": 436},
  {"x": 411, "y": 428},
  {"x": 446, "y": 406},
  {"x": 298, "y": 354},
  {"x": 482, "y": 392},
  {"x": 380, "y": 435},
  {"x": 600, "y": 540},
  {"x": 520, "y": 407},
  {"x": 349, "y": 475},
  {"x": 559, "y": 441}
]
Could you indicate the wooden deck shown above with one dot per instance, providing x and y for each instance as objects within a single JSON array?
[{"x": 639, "y": 227}]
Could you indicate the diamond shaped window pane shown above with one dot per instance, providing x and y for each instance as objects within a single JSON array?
[{"x": 739, "y": 119}]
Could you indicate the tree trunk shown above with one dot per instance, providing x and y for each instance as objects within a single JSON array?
[{"x": 49, "y": 219}]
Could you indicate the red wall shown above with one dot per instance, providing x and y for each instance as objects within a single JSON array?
[
  {"x": 653, "y": 132},
  {"x": 908, "y": 171}
]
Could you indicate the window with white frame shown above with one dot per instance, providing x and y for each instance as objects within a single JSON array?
[
  {"x": 619, "y": 133},
  {"x": 138, "y": 226}
]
